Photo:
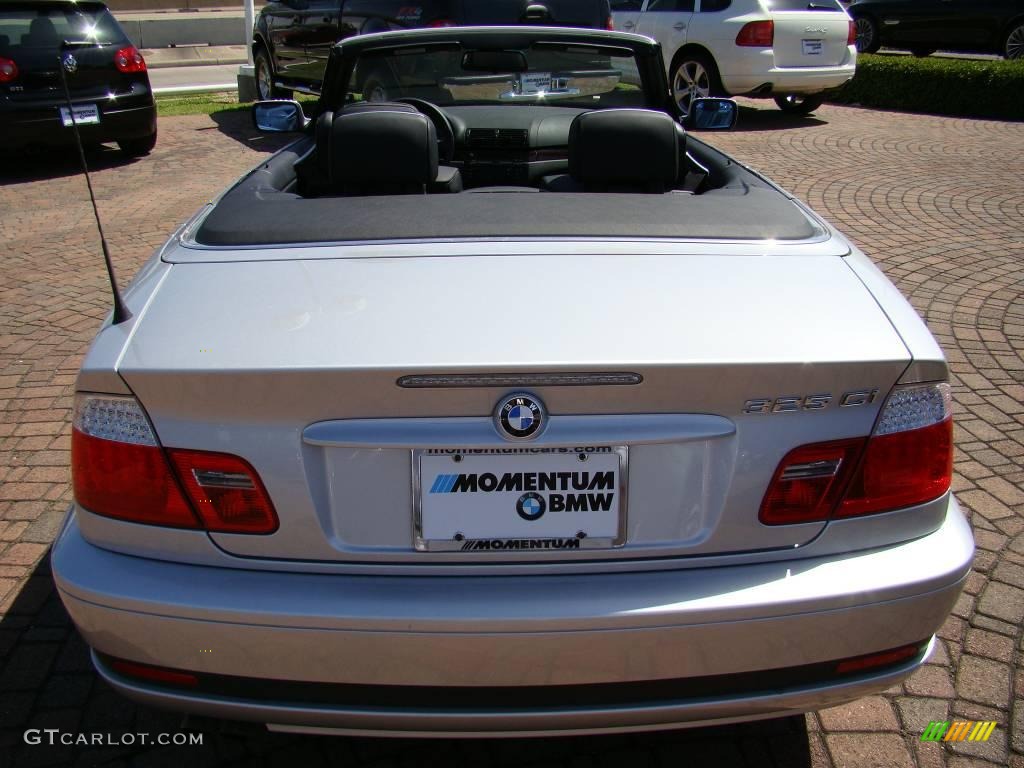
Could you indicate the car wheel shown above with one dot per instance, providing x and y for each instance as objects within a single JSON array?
[
  {"x": 694, "y": 76},
  {"x": 1013, "y": 48},
  {"x": 922, "y": 52},
  {"x": 265, "y": 88},
  {"x": 137, "y": 147},
  {"x": 867, "y": 34},
  {"x": 799, "y": 105}
]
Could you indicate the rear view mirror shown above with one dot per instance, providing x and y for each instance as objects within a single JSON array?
[
  {"x": 711, "y": 115},
  {"x": 494, "y": 61},
  {"x": 278, "y": 116}
]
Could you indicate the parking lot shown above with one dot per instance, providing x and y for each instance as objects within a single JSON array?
[{"x": 937, "y": 202}]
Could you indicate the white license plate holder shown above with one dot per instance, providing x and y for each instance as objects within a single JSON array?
[
  {"x": 531, "y": 500},
  {"x": 812, "y": 47}
]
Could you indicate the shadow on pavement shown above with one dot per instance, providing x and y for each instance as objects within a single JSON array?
[
  {"x": 237, "y": 124},
  {"x": 37, "y": 164},
  {"x": 770, "y": 118},
  {"x": 47, "y": 682}
]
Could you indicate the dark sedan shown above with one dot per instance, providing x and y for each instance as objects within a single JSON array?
[
  {"x": 926, "y": 26},
  {"x": 110, "y": 95}
]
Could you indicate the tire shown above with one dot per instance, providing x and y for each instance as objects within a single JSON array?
[
  {"x": 921, "y": 53},
  {"x": 693, "y": 75},
  {"x": 1013, "y": 45},
  {"x": 792, "y": 104},
  {"x": 265, "y": 88},
  {"x": 137, "y": 147},
  {"x": 867, "y": 34}
]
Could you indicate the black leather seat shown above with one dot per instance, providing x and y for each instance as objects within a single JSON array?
[
  {"x": 379, "y": 150},
  {"x": 621, "y": 150}
]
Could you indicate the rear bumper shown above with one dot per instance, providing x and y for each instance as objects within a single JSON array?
[
  {"x": 485, "y": 632},
  {"x": 756, "y": 72},
  {"x": 130, "y": 117}
]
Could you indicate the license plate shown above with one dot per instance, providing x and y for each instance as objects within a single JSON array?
[
  {"x": 812, "y": 47},
  {"x": 519, "y": 499},
  {"x": 85, "y": 114},
  {"x": 534, "y": 82}
]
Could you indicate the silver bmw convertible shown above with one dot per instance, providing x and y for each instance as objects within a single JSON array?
[{"x": 501, "y": 403}]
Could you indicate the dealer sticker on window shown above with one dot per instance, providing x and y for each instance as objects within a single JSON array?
[
  {"x": 519, "y": 499},
  {"x": 534, "y": 82}
]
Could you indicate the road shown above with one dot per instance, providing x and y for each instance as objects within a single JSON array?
[{"x": 177, "y": 77}]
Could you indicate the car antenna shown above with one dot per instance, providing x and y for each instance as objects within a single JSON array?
[{"x": 121, "y": 312}]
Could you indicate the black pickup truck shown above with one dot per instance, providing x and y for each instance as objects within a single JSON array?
[{"x": 292, "y": 38}]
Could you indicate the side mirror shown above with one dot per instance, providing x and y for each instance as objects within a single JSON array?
[
  {"x": 279, "y": 116},
  {"x": 712, "y": 115}
]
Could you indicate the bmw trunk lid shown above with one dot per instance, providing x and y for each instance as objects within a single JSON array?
[{"x": 352, "y": 384}]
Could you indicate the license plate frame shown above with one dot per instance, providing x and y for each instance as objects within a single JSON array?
[
  {"x": 609, "y": 525},
  {"x": 84, "y": 114},
  {"x": 812, "y": 47}
]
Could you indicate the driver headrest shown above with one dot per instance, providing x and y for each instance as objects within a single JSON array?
[
  {"x": 625, "y": 146},
  {"x": 383, "y": 147}
]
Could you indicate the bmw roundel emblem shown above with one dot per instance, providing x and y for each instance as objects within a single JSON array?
[
  {"x": 531, "y": 506},
  {"x": 519, "y": 416}
]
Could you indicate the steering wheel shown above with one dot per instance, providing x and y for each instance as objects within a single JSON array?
[{"x": 445, "y": 132}]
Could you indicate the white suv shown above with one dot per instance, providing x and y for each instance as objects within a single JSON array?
[{"x": 792, "y": 50}]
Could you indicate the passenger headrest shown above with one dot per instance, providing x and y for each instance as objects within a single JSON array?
[
  {"x": 383, "y": 147},
  {"x": 625, "y": 146}
]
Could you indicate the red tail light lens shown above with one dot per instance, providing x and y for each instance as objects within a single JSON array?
[
  {"x": 128, "y": 59},
  {"x": 908, "y": 460},
  {"x": 610, "y": 24},
  {"x": 757, "y": 34},
  {"x": 851, "y": 35},
  {"x": 441, "y": 23},
  {"x": 8, "y": 70},
  {"x": 880, "y": 659},
  {"x": 226, "y": 491},
  {"x": 119, "y": 470},
  {"x": 809, "y": 481}
]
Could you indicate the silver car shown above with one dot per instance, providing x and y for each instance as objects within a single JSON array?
[{"x": 508, "y": 406}]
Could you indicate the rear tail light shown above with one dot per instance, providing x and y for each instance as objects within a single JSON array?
[
  {"x": 757, "y": 34},
  {"x": 119, "y": 470},
  {"x": 226, "y": 491},
  {"x": 907, "y": 460},
  {"x": 8, "y": 70},
  {"x": 880, "y": 659},
  {"x": 128, "y": 59},
  {"x": 436, "y": 23},
  {"x": 609, "y": 24},
  {"x": 851, "y": 34}
]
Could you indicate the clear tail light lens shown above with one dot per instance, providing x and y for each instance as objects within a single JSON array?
[
  {"x": 120, "y": 470},
  {"x": 128, "y": 59},
  {"x": 8, "y": 70},
  {"x": 757, "y": 34},
  {"x": 907, "y": 460}
]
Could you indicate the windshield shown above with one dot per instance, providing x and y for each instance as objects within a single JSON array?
[
  {"x": 541, "y": 73},
  {"x": 47, "y": 26}
]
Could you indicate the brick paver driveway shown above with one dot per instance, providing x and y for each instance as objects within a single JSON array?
[{"x": 937, "y": 202}]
